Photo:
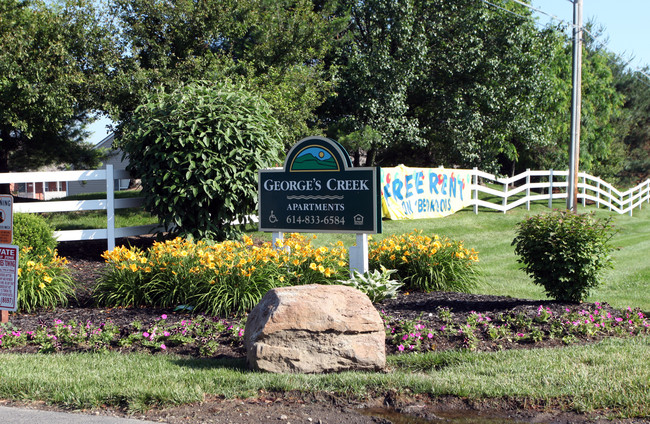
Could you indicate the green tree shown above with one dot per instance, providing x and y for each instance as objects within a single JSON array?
[
  {"x": 425, "y": 82},
  {"x": 478, "y": 94},
  {"x": 383, "y": 48},
  {"x": 197, "y": 150},
  {"x": 635, "y": 119},
  {"x": 51, "y": 56},
  {"x": 272, "y": 47},
  {"x": 601, "y": 133}
]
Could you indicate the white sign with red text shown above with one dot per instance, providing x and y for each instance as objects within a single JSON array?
[{"x": 8, "y": 277}]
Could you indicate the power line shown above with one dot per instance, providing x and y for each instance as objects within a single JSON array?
[
  {"x": 505, "y": 10},
  {"x": 627, "y": 63},
  {"x": 541, "y": 11}
]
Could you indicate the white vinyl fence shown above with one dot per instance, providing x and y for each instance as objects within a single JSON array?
[
  {"x": 527, "y": 187},
  {"x": 110, "y": 204},
  {"x": 534, "y": 186}
]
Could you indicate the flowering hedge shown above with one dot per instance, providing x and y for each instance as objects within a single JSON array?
[
  {"x": 232, "y": 276},
  {"x": 43, "y": 280},
  {"x": 427, "y": 263}
]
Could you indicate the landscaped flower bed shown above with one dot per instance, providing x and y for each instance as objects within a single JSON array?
[
  {"x": 176, "y": 275},
  {"x": 415, "y": 322},
  {"x": 232, "y": 276}
]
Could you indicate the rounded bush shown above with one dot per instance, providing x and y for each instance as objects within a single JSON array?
[
  {"x": 197, "y": 151},
  {"x": 564, "y": 252},
  {"x": 31, "y": 230}
]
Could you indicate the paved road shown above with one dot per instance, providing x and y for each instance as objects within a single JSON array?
[{"x": 13, "y": 415}]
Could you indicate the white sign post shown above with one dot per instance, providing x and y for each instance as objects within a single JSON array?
[{"x": 359, "y": 255}]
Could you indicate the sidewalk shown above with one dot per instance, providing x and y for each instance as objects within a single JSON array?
[{"x": 31, "y": 416}]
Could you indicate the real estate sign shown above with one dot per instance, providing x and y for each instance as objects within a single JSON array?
[
  {"x": 8, "y": 277},
  {"x": 318, "y": 190}
]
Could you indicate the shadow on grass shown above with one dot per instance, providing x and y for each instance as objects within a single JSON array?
[{"x": 229, "y": 362}]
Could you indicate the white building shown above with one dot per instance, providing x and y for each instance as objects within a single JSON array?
[{"x": 114, "y": 157}]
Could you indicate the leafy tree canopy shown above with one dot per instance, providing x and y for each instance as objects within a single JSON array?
[
  {"x": 272, "y": 47},
  {"x": 50, "y": 81}
]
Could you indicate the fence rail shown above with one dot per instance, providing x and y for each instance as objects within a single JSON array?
[
  {"x": 534, "y": 186},
  {"x": 527, "y": 187},
  {"x": 110, "y": 204}
]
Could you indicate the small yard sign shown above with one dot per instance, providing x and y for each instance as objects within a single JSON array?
[
  {"x": 6, "y": 219},
  {"x": 8, "y": 278},
  {"x": 318, "y": 190}
]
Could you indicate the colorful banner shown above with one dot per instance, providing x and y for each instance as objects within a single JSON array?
[{"x": 412, "y": 193}]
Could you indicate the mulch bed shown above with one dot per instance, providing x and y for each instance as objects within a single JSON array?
[{"x": 86, "y": 266}]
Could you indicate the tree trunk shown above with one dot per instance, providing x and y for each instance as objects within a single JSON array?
[
  {"x": 357, "y": 157},
  {"x": 372, "y": 156}
]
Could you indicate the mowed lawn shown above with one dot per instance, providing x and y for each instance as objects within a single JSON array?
[{"x": 491, "y": 233}]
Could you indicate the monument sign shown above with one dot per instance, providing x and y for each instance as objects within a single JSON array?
[{"x": 318, "y": 190}]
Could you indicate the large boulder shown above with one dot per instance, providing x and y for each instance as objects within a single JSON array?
[{"x": 315, "y": 329}]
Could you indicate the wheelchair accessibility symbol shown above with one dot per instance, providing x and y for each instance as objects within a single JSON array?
[{"x": 272, "y": 218}]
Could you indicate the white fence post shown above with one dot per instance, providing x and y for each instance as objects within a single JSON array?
[
  {"x": 475, "y": 191},
  {"x": 550, "y": 189},
  {"x": 528, "y": 189},
  {"x": 598, "y": 193},
  {"x": 631, "y": 201},
  {"x": 584, "y": 191},
  {"x": 621, "y": 200},
  {"x": 110, "y": 207},
  {"x": 609, "y": 191},
  {"x": 504, "y": 202}
]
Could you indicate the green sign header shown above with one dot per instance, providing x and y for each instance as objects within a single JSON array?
[{"x": 318, "y": 190}]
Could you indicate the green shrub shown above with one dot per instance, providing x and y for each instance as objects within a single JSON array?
[
  {"x": 43, "y": 280},
  {"x": 197, "y": 151},
  {"x": 31, "y": 230},
  {"x": 427, "y": 263},
  {"x": 377, "y": 285},
  {"x": 564, "y": 252}
]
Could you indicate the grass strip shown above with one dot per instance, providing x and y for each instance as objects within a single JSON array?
[{"x": 612, "y": 375}]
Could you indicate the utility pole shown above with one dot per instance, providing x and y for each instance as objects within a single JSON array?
[{"x": 576, "y": 103}]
